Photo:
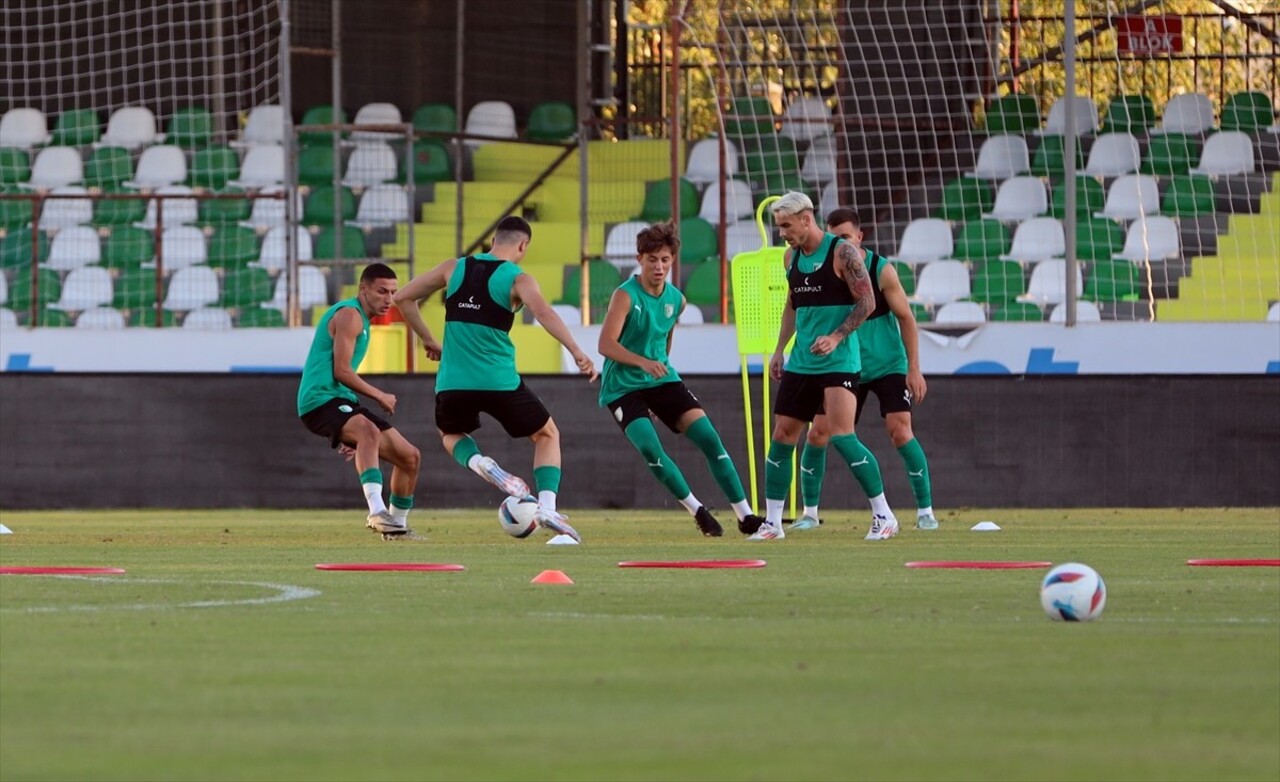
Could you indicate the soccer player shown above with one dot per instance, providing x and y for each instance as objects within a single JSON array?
[
  {"x": 830, "y": 296},
  {"x": 329, "y": 407},
  {"x": 478, "y": 362},
  {"x": 638, "y": 381},
  {"x": 890, "y": 369}
]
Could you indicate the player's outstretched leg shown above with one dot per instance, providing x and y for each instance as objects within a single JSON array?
[
  {"x": 867, "y": 472},
  {"x": 467, "y": 453},
  {"x": 645, "y": 439},
  {"x": 704, "y": 435}
]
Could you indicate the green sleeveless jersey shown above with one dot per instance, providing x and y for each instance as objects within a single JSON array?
[
  {"x": 318, "y": 384},
  {"x": 822, "y": 301},
  {"x": 879, "y": 337},
  {"x": 644, "y": 332},
  {"x": 477, "y": 352}
]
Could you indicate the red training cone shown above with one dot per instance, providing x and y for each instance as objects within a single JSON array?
[{"x": 551, "y": 577}]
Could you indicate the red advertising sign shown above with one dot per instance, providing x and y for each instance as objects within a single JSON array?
[{"x": 1148, "y": 35}]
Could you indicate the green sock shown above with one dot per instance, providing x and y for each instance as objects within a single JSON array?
[
  {"x": 813, "y": 466},
  {"x": 401, "y": 502},
  {"x": 917, "y": 472},
  {"x": 863, "y": 463},
  {"x": 371, "y": 475},
  {"x": 704, "y": 435},
  {"x": 464, "y": 449},
  {"x": 645, "y": 438},
  {"x": 777, "y": 470},
  {"x": 547, "y": 478}
]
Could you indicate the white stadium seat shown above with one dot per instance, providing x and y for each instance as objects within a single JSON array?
[
  {"x": 1190, "y": 113},
  {"x": 703, "y": 166},
  {"x": 264, "y": 126},
  {"x": 1086, "y": 312},
  {"x": 163, "y": 164},
  {"x": 1001, "y": 157},
  {"x": 1048, "y": 283},
  {"x": 130, "y": 127},
  {"x": 24, "y": 128},
  {"x": 1037, "y": 239},
  {"x": 1113, "y": 154},
  {"x": 1019, "y": 198},
  {"x": 55, "y": 167},
  {"x": 1130, "y": 197},
  {"x": 1085, "y": 120},
  {"x": 1153, "y": 238},
  {"x": 73, "y": 247},
  {"x": 1225, "y": 153},
  {"x": 940, "y": 282},
  {"x": 960, "y": 312},
  {"x": 926, "y": 239},
  {"x": 191, "y": 288},
  {"x": 85, "y": 288},
  {"x": 101, "y": 318},
  {"x": 490, "y": 118}
]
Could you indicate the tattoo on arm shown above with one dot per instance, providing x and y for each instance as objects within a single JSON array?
[{"x": 854, "y": 271}]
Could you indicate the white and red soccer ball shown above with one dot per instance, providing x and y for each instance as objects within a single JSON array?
[{"x": 1073, "y": 593}]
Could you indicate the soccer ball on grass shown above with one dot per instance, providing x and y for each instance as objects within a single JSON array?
[{"x": 1073, "y": 593}]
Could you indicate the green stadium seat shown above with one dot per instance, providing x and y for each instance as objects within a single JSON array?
[
  {"x": 135, "y": 289},
  {"x": 1016, "y": 312},
  {"x": 319, "y": 207},
  {"x": 703, "y": 285},
  {"x": 146, "y": 317},
  {"x": 325, "y": 245},
  {"x": 1110, "y": 281},
  {"x": 921, "y": 313},
  {"x": 15, "y": 248},
  {"x": 190, "y": 127},
  {"x": 232, "y": 246},
  {"x": 698, "y": 240},
  {"x": 997, "y": 282},
  {"x": 323, "y": 114},
  {"x": 430, "y": 162},
  {"x": 1247, "y": 111},
  {"x": 127, "y": 247},
  {"x": 1097, "y": 239},
  {"x": 107, "y": 168},
  {"x": 16, "y": 213},
  {"x": 1050, "y": 158},
  {"x": 48, "y": 289},
  {"x": 964, "y": 199},
  {"x": 124, "y": 211},
  {"x": 749, "y": 118},
  {"x": 15, "y": 166},
  {"x": 982, "y": 240},
  {"x": 552, "y": 121},
  {"x": 435, "y": 118},
  {"x": 219, "y": 211},
  {"x": 657, "y": 201},
  {"x": 53, "y": 319},
  {"x": 315, "y": 164},
  {"x": 246, "y": 288},
  {"x": 260, "y": 318},
  {"x": 1016, "y": 113},
  {"x": 1134, "y": 114},
  {"x": 1173, "y": 153},
  {"x": 770, "y": 164},
  {"x": 1090, "y": 198},
  {"x": 1188, "y": 195},
  {"x": 76, "y": 128},
  {"x": 213, "y": 167},
  {"x": 906, "y": 276},
  {"x": 604, "y": 279}
]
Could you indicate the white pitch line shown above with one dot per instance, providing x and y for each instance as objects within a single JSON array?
[{"x": 284, "y": 594}]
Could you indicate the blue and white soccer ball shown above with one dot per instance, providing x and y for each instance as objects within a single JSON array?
[
  {"x": 1073, "y": 593},
  {"x": 518, "y": 517}
]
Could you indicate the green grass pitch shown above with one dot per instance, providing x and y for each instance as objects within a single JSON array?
[{"x": 223, "y": 653}]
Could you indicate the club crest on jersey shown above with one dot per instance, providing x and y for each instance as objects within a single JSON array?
[{"x": 669, "y": 310}]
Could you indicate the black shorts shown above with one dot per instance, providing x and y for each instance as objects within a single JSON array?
[
  {"x": 520, "y": 412},
  {"x": 890, "y": 390},
  {"x": 667, "y": 402},
  {"x": 328, "y": 419},
  {"x": 800, "y": 396}
]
